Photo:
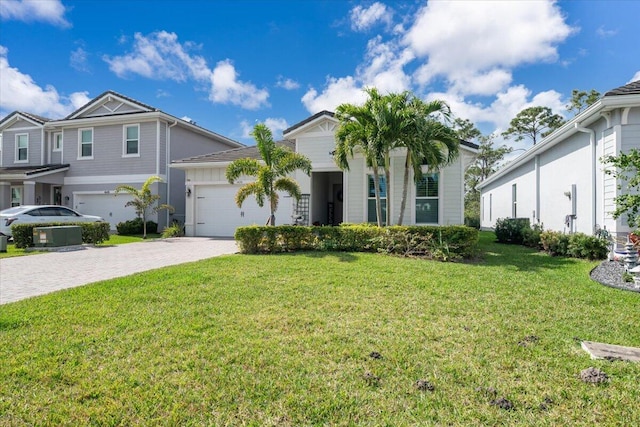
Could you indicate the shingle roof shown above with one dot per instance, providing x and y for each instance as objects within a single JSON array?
[
  {"x": 114, "y": 93},
  {"x": 307, "y": 120},
  {"x": 632, "y": 88},
  {"x": 233, "y": 154},
  {"x": 34, "y": 117},
  {"x": 32, "y": 170}
]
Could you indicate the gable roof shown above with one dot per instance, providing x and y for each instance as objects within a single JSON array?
[
  {"x": 632, "y": 88},
  {"x": 228, "y": 156},
  {"x": 309, "y": 120},
  {"x": 108, "y": 94},
  {"x": 34, "y": 118}
]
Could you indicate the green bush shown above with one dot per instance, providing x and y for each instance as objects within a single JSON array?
[
  {"x": 511, "y": 230},
  {"x": 135, "y": 226},
  {"x": 555, "y": 243},
  {"x": 445, "y": 243},
  {"x": 472, "y": 221},
  {"x": 92, "y": 232},
  {"x": 531, "y": 236},
  {"x": 174, "y": 230},
  {"x": 589, "y": 247}
]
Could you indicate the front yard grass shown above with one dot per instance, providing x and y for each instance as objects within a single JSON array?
[{"x": 324, "y": 339}]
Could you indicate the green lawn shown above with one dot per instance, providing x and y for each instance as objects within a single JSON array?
[{"x": 288, "y": 340}]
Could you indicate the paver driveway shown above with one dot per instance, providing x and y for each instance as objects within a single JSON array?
[{"x": 27, "y": 276}]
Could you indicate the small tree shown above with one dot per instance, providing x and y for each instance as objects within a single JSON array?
[
  {"x": 626, "y": 169},
  {"x": 533, "y": 122},
  {"x": 271, "y": 173},
  {"x": 144, "y": 201},
  {"x": 581, "y": 100}
]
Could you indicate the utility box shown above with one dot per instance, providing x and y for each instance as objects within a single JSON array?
[
  {"x": 3, "y": 243},
  {"x": 51, "y": 237}
]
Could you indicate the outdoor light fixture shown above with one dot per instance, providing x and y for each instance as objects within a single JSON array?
[{"x": 188, "y": 192}]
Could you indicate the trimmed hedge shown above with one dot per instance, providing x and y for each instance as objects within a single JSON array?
[
  {"x": 577, "y": 245},
  {"x": 446, "y": 242},
  {"x": 135, "y": 227},
  {"x": 512, "y": 230},
  {"x": 92, "y": 232}
]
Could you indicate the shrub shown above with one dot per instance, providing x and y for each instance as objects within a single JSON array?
[
  {"x": 531, "y": 236},
  {"x": 511, "y": 230},
  {"x": 174, "y": 230},
  {"x": 92, "y": 232},
  {"x": 554, "y": 243},
  {"x": 472, "y": 221},
  {"x": 443, "y": 243},
  {"x": 590, "y": 247},
  {"x": 135, "y": 227}
]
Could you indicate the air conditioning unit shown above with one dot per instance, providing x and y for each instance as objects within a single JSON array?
[{"x": 51, "y": 237}]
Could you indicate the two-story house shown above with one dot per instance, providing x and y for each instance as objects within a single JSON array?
[{"x": 80, "y": 160}]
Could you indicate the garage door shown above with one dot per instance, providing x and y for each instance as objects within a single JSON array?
[
  {"x": 216, "y": 212},
  {"x": 108, "y": 206}
]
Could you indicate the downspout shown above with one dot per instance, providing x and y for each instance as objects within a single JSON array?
[
  {"x": 168, "y": 170},
  {"x": 592, "y": 137}
]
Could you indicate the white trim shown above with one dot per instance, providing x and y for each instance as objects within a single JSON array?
[
  {"x": 108, "y": 179},
  {"x": 157, "y": 147},
  {"x": 16, "y": 153},
  {"x": 25, "y": 129},
  {"x": 125, "y": 140},
  {"x": 625, "y": 116},
  {"x": 42, "y": 146},
  {"x": 54, "y": 149},
  {"x": 80, "y": 157},
  {"x": 325, "y": 167},
  {"x": 314, "y": 122}
]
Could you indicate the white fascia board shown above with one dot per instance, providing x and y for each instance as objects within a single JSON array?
[
  {"x": 108, "y": 179},
  {"x": 107, "y": 96},
  {"x": 15, "y": 118},
  {"x": 200, "y": 165},
  {"x": 304, "y": 127},
  {"x": 96, "y": 121}
]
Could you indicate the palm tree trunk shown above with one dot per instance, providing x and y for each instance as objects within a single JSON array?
[
  {"x": 144, "y": 226},
  {"x": 387, "y": 181},
  {"x": 376, "y": 186},
  {"x": 405, "y": 187}
]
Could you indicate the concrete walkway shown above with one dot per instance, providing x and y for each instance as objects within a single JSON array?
[{"x": 28, "y": 276}]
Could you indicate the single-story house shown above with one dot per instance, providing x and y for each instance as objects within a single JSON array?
[
  {"x": 330, "y": 195},
  {"x": 560, "y": 182}
]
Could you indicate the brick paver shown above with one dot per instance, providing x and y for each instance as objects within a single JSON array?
[{"x": 28, "y": 276}]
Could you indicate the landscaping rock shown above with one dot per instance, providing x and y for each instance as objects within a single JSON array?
[
  {"x": 424, "y": 385},
  {"x": 610, "y": 273},
  {"x": 593, "y": 375}
]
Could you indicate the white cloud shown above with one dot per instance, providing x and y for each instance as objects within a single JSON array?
[
  {"x": 227, "y": 89},
  {"x": 336, "y": 92},
  {"x": 635, "y": 77},
  {"x": 19, "y": 92},
  {"x": 50, "y": 11},
  {"x": 467, "y": 39},
  {"x": 161, "y": 56},
  {"x": 277, "y": 125},
  {"x": 78, "y": 60},
  {"x": 604, "y": 33},
  {"x": 287, "y": 83},
  {"x": 363, "y": 18}
]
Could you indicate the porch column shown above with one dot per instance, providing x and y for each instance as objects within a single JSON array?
[
  {"x": 5, "y": 195},
  {"x": 29, "y": 193}
]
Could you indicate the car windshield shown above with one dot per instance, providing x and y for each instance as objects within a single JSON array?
[{"x": 13, "y": 211}]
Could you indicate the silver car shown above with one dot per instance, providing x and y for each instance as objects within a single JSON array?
[{"x": 40, "y": 214}]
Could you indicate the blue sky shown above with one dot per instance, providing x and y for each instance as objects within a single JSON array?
[{"x": 230, "y": 64}]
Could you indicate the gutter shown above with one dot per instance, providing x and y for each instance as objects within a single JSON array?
[{"x": 592, "y": 140}]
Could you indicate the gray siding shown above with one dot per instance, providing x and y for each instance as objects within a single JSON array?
[{"x": 9, "y": 146}]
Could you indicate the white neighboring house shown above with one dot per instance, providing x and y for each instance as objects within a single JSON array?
[
  {"x": 330, "y": 196},
  {"x": 560, "y": 182}
]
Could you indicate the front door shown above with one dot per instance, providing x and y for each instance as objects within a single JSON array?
[
  {"x": 16, "y": 196},
  {"x": 57, "y": 195}
]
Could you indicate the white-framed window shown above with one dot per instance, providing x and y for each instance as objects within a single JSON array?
[
  {"x": 57, "y": 141},
  {"x": 22, "y": 148},
  {"x": 428, "y": 199},
  {"x": 131, "y": 141},
  {"x": 371, "y": 199},
  {"x": 16, "y": 196},
  {"x": 85, "y": 143}
]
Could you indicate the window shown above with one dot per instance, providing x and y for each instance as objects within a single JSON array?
[
  {"x": 514, "y": 201},
  {"x": 131, "y": 143},
  {"x": 16, "y": 196},
  {"x": 22, "y": 148},
  {"x": 85, "y": 144},
  {"x": 57, "y": 141},
  {"x": 427, "y": 200},
  {"x": 371, "y": 199}
]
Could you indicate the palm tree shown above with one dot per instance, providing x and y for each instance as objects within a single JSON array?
[
  {"x": 272, "y": 173},
  {"x": 356, "y": 131},
  {"x": 144, "y": 201},
  {"x": 427, "y": 141}
]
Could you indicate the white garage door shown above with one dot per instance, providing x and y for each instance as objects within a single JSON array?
[
  {"x": 108, "y": 206},
  {"x": 216, "y": 212}
]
